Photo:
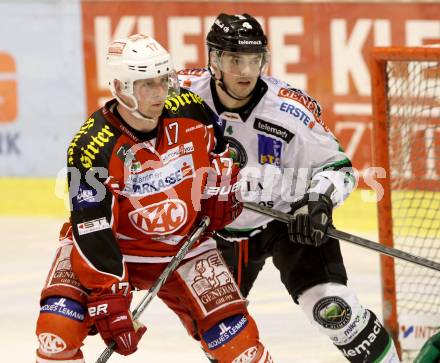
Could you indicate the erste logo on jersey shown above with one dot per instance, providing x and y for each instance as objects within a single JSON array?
[
  {"x": 158, "y": 180},
  {"x": 308, "y": 102},
  {"x": 160, "y": 218}
]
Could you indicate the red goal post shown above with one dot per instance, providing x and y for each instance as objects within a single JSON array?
[{"x": 406, "y": 144}]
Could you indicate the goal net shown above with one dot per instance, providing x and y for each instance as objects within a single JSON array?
[{"x": 406, "y": 144}]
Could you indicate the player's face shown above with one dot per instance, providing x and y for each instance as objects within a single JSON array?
[
  {"x": 240, "y": 71},
  {"x": 151, "y": 94}
]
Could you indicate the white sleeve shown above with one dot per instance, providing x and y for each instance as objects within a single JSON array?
[
  {"x": 337, "y": 184},
  {"x": 329, "y": 169}
]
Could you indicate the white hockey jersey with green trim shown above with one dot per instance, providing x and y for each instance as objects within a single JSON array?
[{"x": 281, "y": 143}]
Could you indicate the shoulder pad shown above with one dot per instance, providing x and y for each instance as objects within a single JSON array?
[
  {"x": 187, "y": 77},
  {"x": 198, "y": 72},
  {"x": 275, "y": 81},
  {"x": 91, "y": 142},
  {"x": 189, "y": 105},
  {"x": 309, "y": 103}
]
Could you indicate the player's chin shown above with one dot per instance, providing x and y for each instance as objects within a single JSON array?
[
  {"x": 156, "y": 108},
  {"x": 243, "y": 90}
]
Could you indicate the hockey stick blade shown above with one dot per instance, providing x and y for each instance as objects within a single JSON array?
[
  {"x": 154, "y": 289},
  {"x": 347, "y": 237}
]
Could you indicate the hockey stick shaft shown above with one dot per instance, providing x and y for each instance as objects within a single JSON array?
[
  {"x": 154, "y": 289},
  {"x": 347, "y": 237}
]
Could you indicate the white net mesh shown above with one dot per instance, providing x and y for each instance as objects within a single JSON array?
[{"x": 414, "y": 148}]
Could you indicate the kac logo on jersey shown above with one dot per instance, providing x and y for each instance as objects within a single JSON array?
[
  {"x": 160, "y": 218},
  {"x": 51, "y": 343},
  {"x": 269, "y": 150}
]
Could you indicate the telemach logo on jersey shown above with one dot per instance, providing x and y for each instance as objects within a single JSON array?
[{"x": 210, "y": 282}]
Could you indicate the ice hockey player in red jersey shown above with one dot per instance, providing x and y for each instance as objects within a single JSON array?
[
  {"x": 291, "y": 162},
  {"x": 142, "y": 170}
]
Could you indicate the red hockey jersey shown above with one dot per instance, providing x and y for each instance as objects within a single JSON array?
[{"x": 135, "y": 196}]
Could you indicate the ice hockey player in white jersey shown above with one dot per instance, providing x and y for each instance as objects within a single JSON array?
[{"x": 290, "y": 162}]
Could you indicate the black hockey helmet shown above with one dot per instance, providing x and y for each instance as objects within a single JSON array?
[{"x": 237, "y": 33}]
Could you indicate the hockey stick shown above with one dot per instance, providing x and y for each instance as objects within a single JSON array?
[
  {"x": 347, "y": 237},
  {"x": 154, "y": 289}
]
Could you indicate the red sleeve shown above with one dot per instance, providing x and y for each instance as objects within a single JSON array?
[{"x": 96, "y": 258}]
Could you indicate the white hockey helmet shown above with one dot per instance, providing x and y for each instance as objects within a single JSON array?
[{"x": 138, "y": 57}]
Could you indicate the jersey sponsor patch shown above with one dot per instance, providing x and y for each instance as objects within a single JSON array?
[
  {"x": 85, "y": 198},
  {"x": 332, "y": 312},
  {"x": 248, "y": 356},
  {"x": 298, "y": 113},
  {"x": 73, "y": 144},
  {"x": 62, "y": 274},
  {"x": 192, "y": 72},
  {"x": 304, "y": 99},
  {"x": 356, "y": 325},
  {"x": 237, "y": 150},
  {"x": 158, "y": 180},
  {"x": 177, "y": 151},
  {"x": 125, "y": 154},
  {"x": 269, "y": 150},
  {"x": 95, "y": 145},
  {"x": 93, "y": 226},
  {"x": 173, "y": 104},
  {"x": 275, "y": 130},
  {"x": 370, "y": 344},
  {"x": 224, "y": 331},
  {"x": 161, "y": 218},
  {"x": 210, "y": 282},
  {"x": 64, "y": 307},
  {"x": 231, "y": 116},
  {"x": 116, "y": 48}
]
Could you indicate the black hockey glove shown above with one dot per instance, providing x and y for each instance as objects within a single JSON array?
[{"x": 311, "y": 217}]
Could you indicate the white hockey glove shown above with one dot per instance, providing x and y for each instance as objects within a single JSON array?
[{"x": 311, "y": 217}]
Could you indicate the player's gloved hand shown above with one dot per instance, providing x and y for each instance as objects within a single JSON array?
[
  {"x": 219, "y": 201},
  {"x": 311, "y": 217},
  {"x": 111, "y": 316}
]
